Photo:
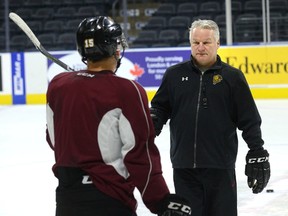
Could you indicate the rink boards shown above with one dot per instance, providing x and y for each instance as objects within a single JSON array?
[{"x": 24, "y": 76}]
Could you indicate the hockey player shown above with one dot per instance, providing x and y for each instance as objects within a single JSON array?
[
  {"x": 100, "y": 129},
  {"x": 206, "y": 101}
]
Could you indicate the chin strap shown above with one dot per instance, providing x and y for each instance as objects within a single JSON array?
[
  {"x": 118, "y": 61},
  {"x": 84, "y": 60}
]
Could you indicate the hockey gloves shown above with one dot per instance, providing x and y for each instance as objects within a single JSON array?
[
  {"x": 174, "y": 205},
  {"x": 158, "y": 125},
  {"x": 257, "y": 169}
]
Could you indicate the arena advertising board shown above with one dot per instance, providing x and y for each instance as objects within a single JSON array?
[
  {"x": 18, "y": 78},
  {"x": 1, "y": 83},
  {"x": 262, "y": 66},
  {"x": 145, "y": 66},
  {"x": 265, "y": 67}
]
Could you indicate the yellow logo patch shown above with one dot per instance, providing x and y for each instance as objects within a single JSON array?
[{"x": 217, "y": 79}]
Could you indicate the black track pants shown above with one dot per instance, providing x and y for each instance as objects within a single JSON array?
[
  {"x": 212, "y": 192},
  {"x": 73, "y": 198}
]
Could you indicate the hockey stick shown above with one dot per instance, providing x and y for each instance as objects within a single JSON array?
[{"x": 26, "y": 29}]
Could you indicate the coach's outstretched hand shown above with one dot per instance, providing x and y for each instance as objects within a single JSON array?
[
  {"x": 257, "y": 169},
  {"x": 174, "y": 205}
]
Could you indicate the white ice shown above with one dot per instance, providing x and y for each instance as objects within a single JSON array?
[{"x": 27, "y": 184}]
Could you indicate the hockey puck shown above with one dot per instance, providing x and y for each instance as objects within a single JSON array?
[{"x": 269, "y": 190}]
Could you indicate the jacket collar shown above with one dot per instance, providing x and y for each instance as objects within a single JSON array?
[{"x": 216, "y": 66}]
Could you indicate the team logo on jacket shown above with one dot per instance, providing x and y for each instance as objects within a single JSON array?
[
  {"x": 184, "y": 79},
  {"x": 217, "y": 79}
]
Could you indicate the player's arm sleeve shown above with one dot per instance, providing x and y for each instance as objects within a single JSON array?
[
  {"x": 143, "y": 159},
  {"x": 50, "y": 137},
  {"x": 248, "y": 118}
]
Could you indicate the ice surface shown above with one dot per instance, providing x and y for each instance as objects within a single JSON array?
[{"x": 27, "y": 184}]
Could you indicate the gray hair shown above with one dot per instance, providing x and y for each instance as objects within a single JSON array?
[{"x": 205, "y": 24}]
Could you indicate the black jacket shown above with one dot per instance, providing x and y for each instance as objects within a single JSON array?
[{"x": 205, "y": 112}]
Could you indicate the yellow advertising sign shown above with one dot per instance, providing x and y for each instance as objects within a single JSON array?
[{"x": 261, "y": 65}]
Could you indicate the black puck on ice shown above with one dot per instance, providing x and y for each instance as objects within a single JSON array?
[{"x": 269, "y": 190}]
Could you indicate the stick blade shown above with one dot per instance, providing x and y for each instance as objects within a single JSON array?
[{"x": 25, "y": 28}]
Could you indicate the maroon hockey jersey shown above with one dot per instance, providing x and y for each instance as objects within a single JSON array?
[{"x": 100, "y": 122}]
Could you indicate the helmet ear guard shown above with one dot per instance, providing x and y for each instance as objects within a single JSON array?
[{"x": 99, "y": 37}]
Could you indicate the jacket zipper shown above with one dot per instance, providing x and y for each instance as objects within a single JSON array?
[{"x": 196, "y": 122}]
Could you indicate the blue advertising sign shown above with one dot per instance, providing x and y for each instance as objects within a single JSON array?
[
  {"x": 150, "y": 65},
  {"x": 18, "y": 78},
  {"x": 146, "y": 66}
]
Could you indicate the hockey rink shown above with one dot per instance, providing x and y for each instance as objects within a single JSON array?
[{"x": 27, "y": 184}]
